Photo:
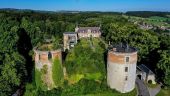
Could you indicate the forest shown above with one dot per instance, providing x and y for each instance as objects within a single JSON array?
[
  {"x": 146, "y": 14},
  {"x": 22, "y": 30}
]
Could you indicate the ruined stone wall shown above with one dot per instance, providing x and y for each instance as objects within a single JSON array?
[
  {"x": 46, "y": 58},
  {"x": 117, "y": 76}
]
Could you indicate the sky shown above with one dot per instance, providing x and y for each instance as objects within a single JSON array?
[{"x": 88, "y": 5}]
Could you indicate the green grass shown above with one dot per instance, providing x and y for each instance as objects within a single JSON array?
[
  {"x": 39, "y": 81},
  {"x": 30, "y": 90},
  {"x": 114, "y": 93},
  {"x": 154, "y": 20},
  {"x": 152, "y": 85},
  {"x": 75, "y": 78},
  {"x": 57, "y": 72},
  {"x": 157, "y": 18},
  {"x": 93, "y": 76},
  {"x": 164, "y": 92}
]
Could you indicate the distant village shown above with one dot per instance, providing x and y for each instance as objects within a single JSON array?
[{"x": 146, "y": 26}]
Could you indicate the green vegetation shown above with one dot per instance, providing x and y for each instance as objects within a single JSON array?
[
  {"x": 44, "y": 69},
  {"x": 39, "y": 81},
  {"x": 147, "y": 14},
  {"x": 30, "y": 90},
  {"x": 164, "y": 92},
  {"x": 20, "y": 31},
  {"x": 86, "y": 60},
  {"x": 57, "y": 72},
  {"x": 92, "y": 88},
  {"x": 114, "y": 93},
  {"x": 154, "y": 20}
]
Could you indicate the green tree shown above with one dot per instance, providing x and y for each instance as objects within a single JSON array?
[
  {"x": 12, "y": 73},
  {"x": 164, "y": 66}
]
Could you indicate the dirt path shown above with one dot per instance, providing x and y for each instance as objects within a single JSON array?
[{"x": 91, "y": 44}]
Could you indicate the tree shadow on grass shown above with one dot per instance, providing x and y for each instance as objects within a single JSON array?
[{"x": 24, "y": 46}]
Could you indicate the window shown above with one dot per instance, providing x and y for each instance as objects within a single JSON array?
[
  {"x": 49, "y": 55},
  {"x": 127, "y": 59},
  {"x": 39, "y": 57},
  {"x": 126, "y": 78},
  {"x": 126, "y": 69}
]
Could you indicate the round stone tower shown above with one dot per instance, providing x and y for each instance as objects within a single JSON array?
[
  {"x": 44, "y": 63},
  {"x": 121, "y": 68},
  {"x": 45, "y": 57}
]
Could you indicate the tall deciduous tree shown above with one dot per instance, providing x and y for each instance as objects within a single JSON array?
[{"x": 164, "y": 66}]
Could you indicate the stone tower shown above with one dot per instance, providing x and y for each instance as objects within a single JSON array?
[
  {"x": 44, "y": 58},
  {"x": 121, "y": 68}
]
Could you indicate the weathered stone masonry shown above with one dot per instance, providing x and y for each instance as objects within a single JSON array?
[
  {"x": 121, "y": 69},
  {"x": 47, "y": 58}
]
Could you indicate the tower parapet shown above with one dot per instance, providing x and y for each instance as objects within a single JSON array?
[
  {"x": 44, "y": 63},
  {"x": 121, "y": 68},
  {"x": 46, "y": 57}
]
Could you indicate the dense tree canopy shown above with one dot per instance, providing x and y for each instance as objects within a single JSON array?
[{"x": 20, "y": 31}]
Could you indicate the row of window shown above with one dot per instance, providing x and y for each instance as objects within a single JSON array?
[
  {"x": 91, "y": 31},
  {"x": 49, "y": 56},
  {"x": 126, "y": 68}
]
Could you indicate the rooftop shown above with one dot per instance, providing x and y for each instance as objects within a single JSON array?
[
  {"x": 143, "y": 68},
  {"x": 91, "y": 28},
  {"x": 69, "y": 33},
  {"x": 123, "y": 49}
]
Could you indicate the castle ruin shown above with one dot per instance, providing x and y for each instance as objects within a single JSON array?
[{"x": 45, "y": 59}]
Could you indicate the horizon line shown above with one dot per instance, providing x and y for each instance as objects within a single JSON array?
[{"x": 86, "y": 10}]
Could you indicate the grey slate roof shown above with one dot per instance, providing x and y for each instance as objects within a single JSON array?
[
  {"x": 85, "y": 29},
  {"x": 70, "y": 33},
  {"x": 142, "y": 67}
]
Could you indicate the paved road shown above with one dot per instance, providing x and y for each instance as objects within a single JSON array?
[
  {"x": 154, "y": 91},
  {"x": 142, "y": 88}
]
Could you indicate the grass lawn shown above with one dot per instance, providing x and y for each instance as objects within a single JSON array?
[
  {"x": 152, "y": 85},
  {"x": 114, "y": 93},
  {"x": 164, "y": 92},
  {"x": 154, "y": 20},
  {"x": 38, "y": 80},
  {"x": 57, "y": 72}
]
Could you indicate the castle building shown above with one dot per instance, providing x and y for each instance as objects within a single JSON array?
[
  {"x": 84, "y": 32},
  {"x": 70, "y": 40},
  {"x": 44, "y": 61},
  {"x": 121, "y": 68}
]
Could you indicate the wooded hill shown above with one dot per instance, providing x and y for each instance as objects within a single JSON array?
[{"x": 21, "y": 31}]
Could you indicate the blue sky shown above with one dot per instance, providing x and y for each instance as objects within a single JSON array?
[{"x": 88, "y": 5}]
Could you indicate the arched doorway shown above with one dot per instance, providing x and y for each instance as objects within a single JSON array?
[{"x": 139, "y": 76}]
